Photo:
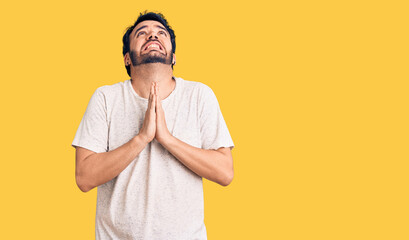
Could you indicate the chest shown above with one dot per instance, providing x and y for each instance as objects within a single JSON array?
[{"x": 125, "y": 120}]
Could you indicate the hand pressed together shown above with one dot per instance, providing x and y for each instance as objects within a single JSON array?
[{"x": 154, "y": 124}]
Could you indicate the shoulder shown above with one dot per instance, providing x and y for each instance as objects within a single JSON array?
[
  {"x": 108, "y": 90},
  {"x": 199, "y": 88},
  {"x": 107, "y": 94}
]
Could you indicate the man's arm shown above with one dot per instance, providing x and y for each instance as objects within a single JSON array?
[
  {"x": 93, "y": 169},
  {"x": 214, "y": 165}
]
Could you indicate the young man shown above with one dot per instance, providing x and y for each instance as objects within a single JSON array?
[{"x": 147, "y": 142}]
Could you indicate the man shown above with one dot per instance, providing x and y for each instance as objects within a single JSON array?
[{"x": 147, "y": 142}]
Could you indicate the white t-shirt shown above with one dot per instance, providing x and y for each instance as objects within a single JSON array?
[{"x": 155, "y": 196}]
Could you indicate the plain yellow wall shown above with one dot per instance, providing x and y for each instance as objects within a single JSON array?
[{"x": 315, "y": 95}]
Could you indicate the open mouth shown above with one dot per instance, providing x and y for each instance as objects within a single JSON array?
[{"x": 153, "y": 46}]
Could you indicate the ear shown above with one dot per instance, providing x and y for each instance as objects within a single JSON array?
[
  {"x": 127, "y": 59},
  {"x": 174, "y": 59}
]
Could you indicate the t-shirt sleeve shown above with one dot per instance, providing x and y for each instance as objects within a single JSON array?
[
  {"x": 213, "y": 128},
  {"x": 92, "y": 132}
]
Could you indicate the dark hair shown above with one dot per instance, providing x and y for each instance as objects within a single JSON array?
[{"x": 144, "y": 17}]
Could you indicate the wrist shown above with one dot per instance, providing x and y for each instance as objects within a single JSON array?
[
  {"x": 140, "y": 140},
  {"x": 167, "y": 140}
]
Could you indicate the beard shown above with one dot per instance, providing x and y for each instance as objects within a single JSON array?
[{"x": 149, "y": 58}]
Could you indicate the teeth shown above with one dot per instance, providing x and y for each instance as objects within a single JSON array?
[{"x": 153, "y": 45}]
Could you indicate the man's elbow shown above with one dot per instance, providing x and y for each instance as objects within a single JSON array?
[
  {"x": 227, "y": 179},
  {"x": 226, "y": 172},
  {"x": 82, "y": 184}
]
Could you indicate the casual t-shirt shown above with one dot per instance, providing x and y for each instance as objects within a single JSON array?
[{"x": 155, "y": 196}]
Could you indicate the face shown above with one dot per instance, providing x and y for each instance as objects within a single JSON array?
[{"x": 149, "y": 42}]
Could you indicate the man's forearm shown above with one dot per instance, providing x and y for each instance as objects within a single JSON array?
[
  {"x": 210, "y": 164},
  {"x": 99, "y": 168}
]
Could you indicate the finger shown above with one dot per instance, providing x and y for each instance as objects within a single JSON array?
[
  {"x": 150, "y": 97},
  {"x": 152, "y": 89},
  {"x": 158, "y": 101},
  {"x": 157, "y": 89},
  {"x": 153, "y": 109}
]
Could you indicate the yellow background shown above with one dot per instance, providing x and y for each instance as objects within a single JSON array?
[{"x": 315, "y": 95}]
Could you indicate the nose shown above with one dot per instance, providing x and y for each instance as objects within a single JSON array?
[{"x": 152, "y": 35}]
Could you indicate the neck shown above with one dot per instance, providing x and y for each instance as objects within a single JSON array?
[{"x": 143, "y": 75}]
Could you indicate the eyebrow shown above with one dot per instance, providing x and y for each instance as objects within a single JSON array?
[{"x": 155, "y": 26}]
